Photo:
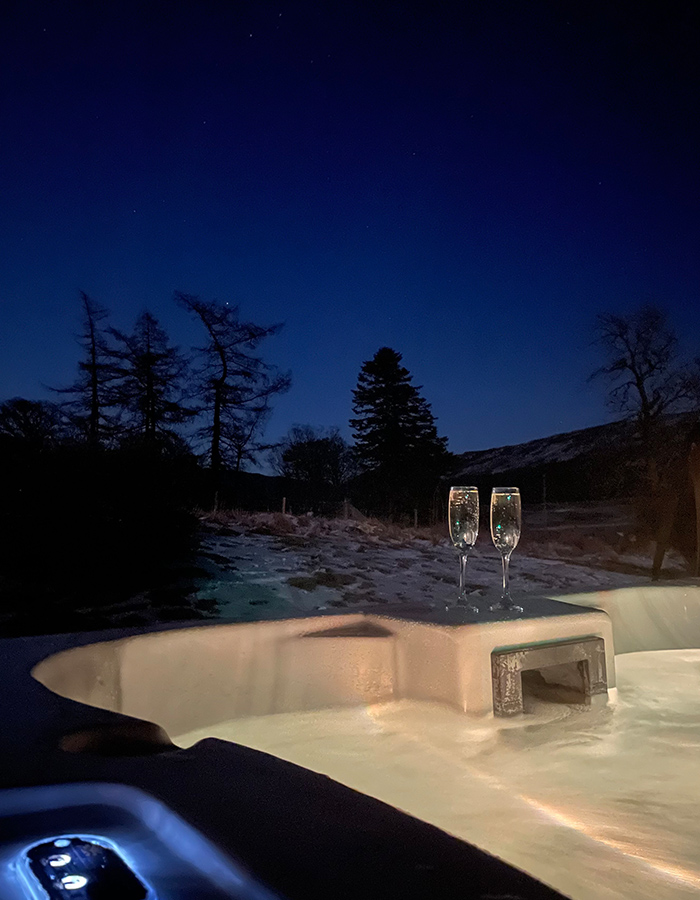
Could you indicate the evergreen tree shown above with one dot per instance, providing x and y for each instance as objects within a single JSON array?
[
  {"x": 396, "y": 441},
  {"x": 89, "y": 397},
  {"x": 149, "y": 378}
]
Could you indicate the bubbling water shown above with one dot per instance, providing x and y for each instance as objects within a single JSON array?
[{"x": 599, "y": 803}]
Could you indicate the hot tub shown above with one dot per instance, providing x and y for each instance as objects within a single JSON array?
[{"x": 599, "y": 802}]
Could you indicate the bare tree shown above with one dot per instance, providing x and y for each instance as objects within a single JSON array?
[
  {"x": 643, "y": 367},
  {"x": 36, "y": 424},
  {"x": 314, "y": 455},
  {"x": 648, "y": 381},
  {"x": 232, "y": 378},
  {"x": 241, "y": 435},
  {"x": 319, "y": 460}
]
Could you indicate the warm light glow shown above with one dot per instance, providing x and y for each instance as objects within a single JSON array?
[
  {"x": 678, "y": 873},
  {"x": 559, "y": 816}
]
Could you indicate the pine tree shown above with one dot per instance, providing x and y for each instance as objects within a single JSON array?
[
  {"x": 88, "y": 406},
  {"x": 396, "y": 441},
  {"x": 149, "y": 378}
]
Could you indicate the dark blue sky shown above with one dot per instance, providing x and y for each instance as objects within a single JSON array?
[{"x": 469, "y": 184}]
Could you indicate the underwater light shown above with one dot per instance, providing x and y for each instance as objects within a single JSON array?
[{"x": 74, "y": 882}]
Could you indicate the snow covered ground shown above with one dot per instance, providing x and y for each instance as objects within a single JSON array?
[{"x": 269, "y": 565}]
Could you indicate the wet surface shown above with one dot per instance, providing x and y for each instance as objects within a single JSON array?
[{"x": 599, "y": 803}]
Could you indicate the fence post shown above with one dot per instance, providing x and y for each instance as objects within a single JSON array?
[{"x": 544, "y": 499}]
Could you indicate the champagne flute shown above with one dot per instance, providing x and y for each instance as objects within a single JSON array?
[
  {"x": 464, "y": 528},
  {"x": 505, "y": 533}
]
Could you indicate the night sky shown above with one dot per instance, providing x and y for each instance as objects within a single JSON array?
[{"x": 466, "y": 183}]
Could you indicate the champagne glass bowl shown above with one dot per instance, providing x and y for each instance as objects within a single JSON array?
[
  {"x": 506, "y": 520},
  {"x": 464, "y": 528}
]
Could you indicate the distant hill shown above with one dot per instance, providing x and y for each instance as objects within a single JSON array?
[
  {"x": 599, "y": 463},
  {"x": 555, "y": 449},
  {"x": 596, "y": 463}
]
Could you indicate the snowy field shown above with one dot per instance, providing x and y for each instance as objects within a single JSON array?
[{"x": 269, "y": 565}]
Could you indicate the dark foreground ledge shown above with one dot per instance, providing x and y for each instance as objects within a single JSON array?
[{"x": 300, "y": 833}]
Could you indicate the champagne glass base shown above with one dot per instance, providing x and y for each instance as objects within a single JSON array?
[
  {"x": 464, "y": 604},
  {"x": 506, "y": 607}
]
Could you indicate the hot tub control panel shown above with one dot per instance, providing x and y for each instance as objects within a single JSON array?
[
  {"x": 102, "y": 841},
  {"x": 81, "y": 869}
]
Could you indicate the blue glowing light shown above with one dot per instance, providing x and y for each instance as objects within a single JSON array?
[{"x": 74, "y": 882}]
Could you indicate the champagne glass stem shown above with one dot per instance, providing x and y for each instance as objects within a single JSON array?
[
  {"x": 505, "y": 598},
  {"x": 462, "y": 576},
  {"x": 462, "y": 600}
]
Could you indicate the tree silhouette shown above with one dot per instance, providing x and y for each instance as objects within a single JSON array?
[
  {"x": 232, "y": 380},
  {"x": 647, "y": 380},
  {"x": 321, "y": 462},
  {"x": 89, "y": 396},
  {"x": 241, "y": 434},
  {"x": 148, "y": 379},
  {"x": 396, "y": 441},
  {"x": 35, "y": 424},
  {"x": 642, "y": 366}
]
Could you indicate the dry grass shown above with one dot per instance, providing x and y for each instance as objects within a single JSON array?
[{"x": 295, "y": 530}]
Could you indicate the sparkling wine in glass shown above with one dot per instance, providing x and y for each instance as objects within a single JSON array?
[
  {"x": 464, "y": 529},
  {"x": 505, "y": 533}
]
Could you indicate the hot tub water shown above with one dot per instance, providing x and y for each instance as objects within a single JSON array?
[{"x": 599, "y": 803}]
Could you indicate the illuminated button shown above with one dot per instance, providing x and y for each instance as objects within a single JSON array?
[
  {"x": 60, "y": 859},
  {"x": 61, "y": 843},
  {"x": 74, "y": 882}
]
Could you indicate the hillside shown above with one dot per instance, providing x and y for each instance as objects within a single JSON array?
[
  {"x": 589, "y": 464},
  {"x": 555, "y": 449},
  {"x": 593, "y": 464}
]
